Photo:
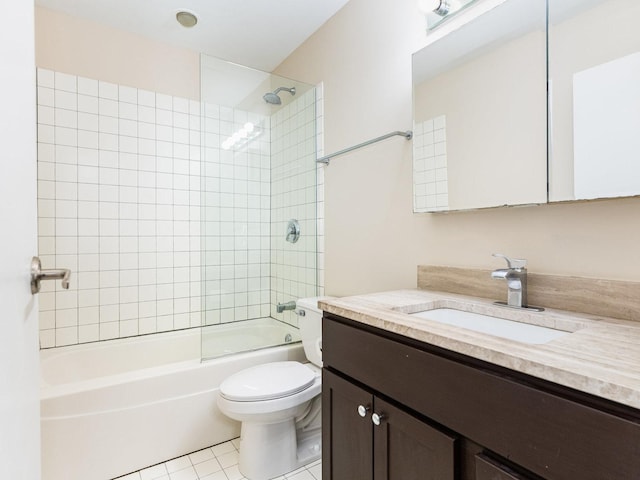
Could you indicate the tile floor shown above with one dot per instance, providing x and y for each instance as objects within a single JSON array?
[{"x": 219, "y": 462}]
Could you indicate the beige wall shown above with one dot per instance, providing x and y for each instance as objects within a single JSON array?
[
  {"x": 84, "y": 48},
  {"x": 373, "y": 241}
]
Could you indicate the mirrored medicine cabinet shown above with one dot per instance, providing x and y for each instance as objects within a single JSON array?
[
  {"x": 594, "y": 96},
  {"x": 487, "y": 133}
]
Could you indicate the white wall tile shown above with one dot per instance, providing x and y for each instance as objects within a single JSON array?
[
  {"x": 46, "y": 152},
  {"x": 66, "y": 118},
  {"x": 146, "y": 98},
  {"x": 87, "y": 86},
  {"x": 66, "y": 336},
  {"x": 164, "y": 101},
  {"x": 88, "y": 315},
  {"x": 128, "y": 94},
  {"x": 46, "y": 134},
  {"x": 66, "y": 100},
  {"x": 46, "y": 115},
  {"x": 108, "y": 107},
  {"x": 89, "y": 155},
  {"x": 108, "y": 90},
  {"x": 66, "y": 172},
  {"x": 109, "y": 330},
  {"x": 88, "y": 333},
  {"x": 88, "y": 104},
  {"x": 45, "y": 78},
  {"x": 127, "y": 184}
]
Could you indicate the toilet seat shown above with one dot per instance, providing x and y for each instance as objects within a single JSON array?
[{"x": 267, "y": 382}]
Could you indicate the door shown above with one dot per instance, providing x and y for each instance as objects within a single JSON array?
[
  {"x": 406, "y": 448},
  {"x": 347, "y": 431},
  {"x": 19, "y": 366}
]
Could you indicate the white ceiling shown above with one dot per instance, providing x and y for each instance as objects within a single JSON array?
[{"x": 255, "y": 33}]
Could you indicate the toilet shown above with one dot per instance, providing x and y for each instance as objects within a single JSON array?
[{"x": 279, "y": 406}]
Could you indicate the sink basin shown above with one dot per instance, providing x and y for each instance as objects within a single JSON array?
[{"x": 521, "y": 332}]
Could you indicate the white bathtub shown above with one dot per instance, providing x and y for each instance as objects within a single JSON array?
[{"x": 114, "y": 407}]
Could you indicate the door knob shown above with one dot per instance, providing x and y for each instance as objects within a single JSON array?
[
  {"x": 377, "y": 418},
  {"x": 37, "y": 275},
  {"x": 362, "y": 410}
]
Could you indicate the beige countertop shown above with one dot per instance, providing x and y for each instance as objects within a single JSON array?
[{"x": 601, "y": 356}]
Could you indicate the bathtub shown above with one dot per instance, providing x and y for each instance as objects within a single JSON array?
[{"x": 113, "y": 407}]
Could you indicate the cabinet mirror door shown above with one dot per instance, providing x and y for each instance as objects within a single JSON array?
[
  {"x": 594, "y": 79},
  {"x": 480, "y": 111}
]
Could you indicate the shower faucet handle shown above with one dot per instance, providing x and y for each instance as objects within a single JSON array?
[
  {"x": 293, "y": 231},
  {"x": 38, "y": 274}
]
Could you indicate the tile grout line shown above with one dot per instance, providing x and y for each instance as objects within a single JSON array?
[{"x": 289, "y": 476}]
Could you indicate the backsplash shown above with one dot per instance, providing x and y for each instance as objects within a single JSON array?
[
  {"x": 120, "y": 187},
  {"x": 601, "y": 297}
]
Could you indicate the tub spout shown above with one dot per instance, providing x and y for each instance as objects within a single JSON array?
[{"x": 281, "y": 307}]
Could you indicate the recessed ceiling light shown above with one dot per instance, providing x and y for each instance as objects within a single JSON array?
[{"x": 186, "y": 19}]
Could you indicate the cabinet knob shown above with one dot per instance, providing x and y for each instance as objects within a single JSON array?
[
  {"x": 377, "y": 418},
  {"x": 362, "y": 410}
]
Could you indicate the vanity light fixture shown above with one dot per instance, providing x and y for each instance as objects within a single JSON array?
[
  {"x": 186, "y": 19},
  {"x": 437, "y": 11},
  {"x": 439, "y": 7}
]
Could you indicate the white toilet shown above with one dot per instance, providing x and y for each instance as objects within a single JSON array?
[{"x": 278, "y": 404}]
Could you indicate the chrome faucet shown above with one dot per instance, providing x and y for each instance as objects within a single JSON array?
[
  {"x": 281, "y": 307},
  {"x": 516, "y": 278}
]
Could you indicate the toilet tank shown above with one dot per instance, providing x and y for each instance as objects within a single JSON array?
[{"x": 310, "y": 324}]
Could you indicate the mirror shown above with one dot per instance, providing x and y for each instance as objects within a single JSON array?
[
  {"x": 594, "y": 75},
  {"x": 480, "y": 116}
]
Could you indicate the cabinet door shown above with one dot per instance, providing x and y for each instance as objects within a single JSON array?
[
  {"x": 346, "y": 435},
  {"x": 405, "y": 448},
  {"x": 489, "y": 469}
]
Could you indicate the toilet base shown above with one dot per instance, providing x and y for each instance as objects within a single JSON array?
[{"x": 271, "y": 450}]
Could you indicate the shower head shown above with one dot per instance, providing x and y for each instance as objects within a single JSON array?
[{"x": 274, "y": 99}]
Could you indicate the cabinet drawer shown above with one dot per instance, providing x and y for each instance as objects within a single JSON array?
[
  {"x": 547, "y": 434},
  {"x": 488, "y": 469}
]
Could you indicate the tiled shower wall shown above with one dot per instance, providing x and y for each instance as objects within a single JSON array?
[
  {"x": 119, "y": 204},
  {"x": 120, "y": 189},
  {"x": 293, "y": 195},
  {"x": 252, "y": 191}
]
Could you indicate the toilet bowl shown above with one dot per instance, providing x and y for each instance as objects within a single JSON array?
[{"x": 278, "y": 404}]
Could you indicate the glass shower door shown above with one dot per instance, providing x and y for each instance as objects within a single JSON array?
[{"x": 258, "y": 171}]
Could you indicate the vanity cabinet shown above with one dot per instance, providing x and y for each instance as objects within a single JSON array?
[
  {"x": 373, "y": 439},
  {"x": 446, "y": 415}
]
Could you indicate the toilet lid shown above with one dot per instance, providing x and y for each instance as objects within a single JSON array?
[{"x": 267, "y": 381}]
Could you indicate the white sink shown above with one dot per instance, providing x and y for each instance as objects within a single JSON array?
[{"x": 521, "y": 332}]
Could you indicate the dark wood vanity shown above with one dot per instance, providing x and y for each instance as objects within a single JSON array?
[{"x": 442, "y": 415}]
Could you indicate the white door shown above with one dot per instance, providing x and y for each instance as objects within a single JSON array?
[{"x": 19, "y": 367}]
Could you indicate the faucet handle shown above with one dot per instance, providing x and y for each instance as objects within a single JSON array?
[{"x": 515, "y": 263}]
